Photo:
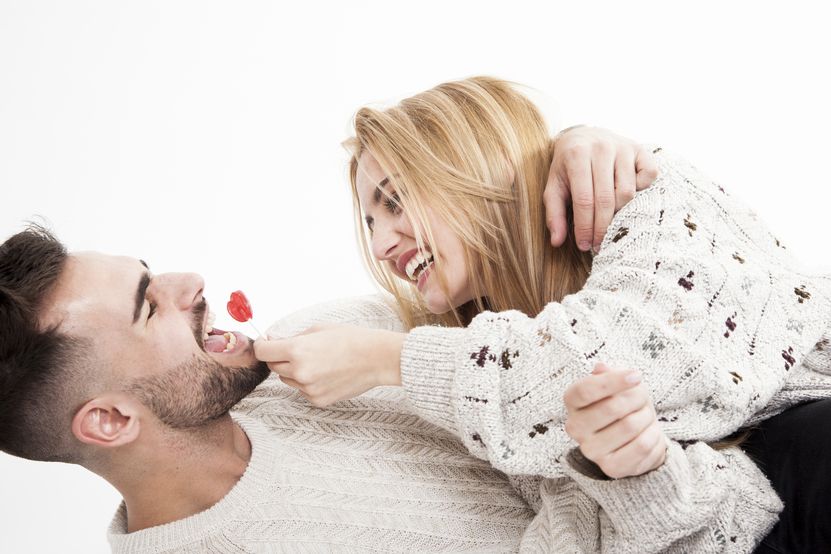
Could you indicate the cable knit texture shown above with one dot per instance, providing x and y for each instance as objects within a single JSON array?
[{"x": 363, "y": 476}]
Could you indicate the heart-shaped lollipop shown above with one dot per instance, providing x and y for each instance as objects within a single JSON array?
[{"x": 240, "y": 308}]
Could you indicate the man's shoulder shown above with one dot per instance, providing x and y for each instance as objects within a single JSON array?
[{"x": 374, "y": 311}]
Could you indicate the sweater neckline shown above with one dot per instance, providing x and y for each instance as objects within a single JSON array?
[{"x": 244, "y": 494}]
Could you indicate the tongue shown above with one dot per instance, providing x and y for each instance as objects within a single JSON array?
[{"x": 215, "y": 343}]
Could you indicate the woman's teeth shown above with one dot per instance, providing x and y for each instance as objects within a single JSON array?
[{"x": 417, "y": 264}]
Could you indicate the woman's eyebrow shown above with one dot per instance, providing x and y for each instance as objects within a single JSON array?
[{"x": 376, "y": 196}]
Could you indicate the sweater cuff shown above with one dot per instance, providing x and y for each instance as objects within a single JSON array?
[
  {"x": 428, "y": 368},
  {"x": 656, "y": 502}
]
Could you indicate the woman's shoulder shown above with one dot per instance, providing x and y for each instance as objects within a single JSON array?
[{"x": 686, "y": 210}]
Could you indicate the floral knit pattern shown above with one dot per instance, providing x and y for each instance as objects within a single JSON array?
[{"x": 690, "y": 288}]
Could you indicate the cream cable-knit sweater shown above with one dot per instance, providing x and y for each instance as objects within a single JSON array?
[
  {"x": 368, "y": 475},
  {"x": 362, "y": 476},
  {"x": 700, "y": 500}
]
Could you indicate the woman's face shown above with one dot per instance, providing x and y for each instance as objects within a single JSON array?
[{"x": 394, "y": 241}]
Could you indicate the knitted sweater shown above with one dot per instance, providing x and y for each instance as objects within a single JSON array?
[
  {"x": 367, "y": 475},
  {"x": 362, "y": 476},
  {"x": 691, "y": 289},
  {"x": 699, "y": 500}
]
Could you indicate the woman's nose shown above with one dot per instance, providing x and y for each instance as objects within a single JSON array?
[{"x": 384, "y": 241}]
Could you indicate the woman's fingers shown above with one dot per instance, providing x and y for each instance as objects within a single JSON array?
[
  {"x": 620, "y": 433},
  {"x": 278, "y": 350},
  {"x": 613, "y": 420},
  {"x": 602, "y": 414},
  {"x": 595, "y": 387},
  {"x": 644, "y": 453}
]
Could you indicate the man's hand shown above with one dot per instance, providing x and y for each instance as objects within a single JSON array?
[
  {"x": 597, "y": 172},
  {"x": 334, "y": 362},
  {"x": 612, "y": 418}
]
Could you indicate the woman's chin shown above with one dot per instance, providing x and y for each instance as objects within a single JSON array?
[{"x": 438, "y": 304}]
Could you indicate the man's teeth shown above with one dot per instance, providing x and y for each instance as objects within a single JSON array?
[
  {"x": 232, "y": 341},
  {"x": 417, "y": 264},
  {"x": 210, "y": 325}
]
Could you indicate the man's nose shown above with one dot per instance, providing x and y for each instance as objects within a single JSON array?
[{"x": 182, "y": 289}]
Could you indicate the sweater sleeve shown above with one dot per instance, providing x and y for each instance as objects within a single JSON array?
[
  {"x": 699, "y": 500},
  {"x": 686, "y": 288}
]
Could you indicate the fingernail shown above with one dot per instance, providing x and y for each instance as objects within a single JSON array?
[
  {"x": 595, "y": 249},
  {"x": 585, "y": 245},
  {"x": 633, "y": 377}
]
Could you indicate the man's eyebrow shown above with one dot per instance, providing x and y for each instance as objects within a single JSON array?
[
  {"x": 376, "y": 196},
  {"x": 144, "y": 282}
]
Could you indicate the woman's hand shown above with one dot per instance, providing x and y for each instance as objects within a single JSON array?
[
  {"x": 612, "y": 418},
  {"x": 337, "y": 362},
  {"x": 597, "y": 172}
]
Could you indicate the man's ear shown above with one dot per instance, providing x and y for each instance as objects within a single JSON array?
[{"x": 107, "y": 421}]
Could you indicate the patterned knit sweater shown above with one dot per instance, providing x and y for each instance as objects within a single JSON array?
[{"x": 691, "y": 289}]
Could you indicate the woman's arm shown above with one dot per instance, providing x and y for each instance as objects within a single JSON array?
[
  {"x": 699, "y": 500},
  {"x": 688, "y": 288},
  {"x": 655, "y": 495}
]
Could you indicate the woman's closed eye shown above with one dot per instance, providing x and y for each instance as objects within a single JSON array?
[{"x": 392, "y": 203}]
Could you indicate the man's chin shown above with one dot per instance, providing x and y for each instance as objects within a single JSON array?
[{"x": 198, "y": 391}]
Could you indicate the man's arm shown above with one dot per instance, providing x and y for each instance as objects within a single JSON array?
[{"x": 595, "y": 172}]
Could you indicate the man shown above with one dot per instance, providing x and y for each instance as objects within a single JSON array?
[{"x": 118, "y": 356}]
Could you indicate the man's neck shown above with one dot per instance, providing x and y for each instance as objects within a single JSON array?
[{"x": 187, "y": 477}]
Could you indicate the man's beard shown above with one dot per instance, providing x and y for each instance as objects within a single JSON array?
[{"x": 199, "y": 390}]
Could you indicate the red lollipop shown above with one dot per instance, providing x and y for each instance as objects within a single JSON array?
[{"x": 240, "y": 308}]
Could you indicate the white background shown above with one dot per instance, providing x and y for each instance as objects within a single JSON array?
[{"x": 205, "y": 136}]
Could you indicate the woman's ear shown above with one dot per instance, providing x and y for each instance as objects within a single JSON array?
[{"x": 106, "y": 421}]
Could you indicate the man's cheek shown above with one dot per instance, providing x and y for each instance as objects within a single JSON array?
[{"x": 176, "y": 347}]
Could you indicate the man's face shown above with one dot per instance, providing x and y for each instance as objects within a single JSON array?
[{"x": 148, "y": 338}]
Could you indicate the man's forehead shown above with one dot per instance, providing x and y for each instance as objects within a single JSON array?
[{"x": 92, "y": 284}]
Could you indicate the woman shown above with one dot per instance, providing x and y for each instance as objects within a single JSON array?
[{"x": 688, "y": 287}]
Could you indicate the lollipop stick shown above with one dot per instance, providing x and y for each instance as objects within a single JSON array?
[{"x": 255, "y": 328}]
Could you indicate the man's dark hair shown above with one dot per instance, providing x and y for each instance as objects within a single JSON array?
[{"x": 35, "y": 363}]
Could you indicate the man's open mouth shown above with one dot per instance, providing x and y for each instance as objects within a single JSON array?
[{"x": 219, "y": 341}]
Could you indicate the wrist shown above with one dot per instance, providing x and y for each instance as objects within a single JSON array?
[
  {"x": 390, "y": 370},
  {"x": 568, "y": 129}
]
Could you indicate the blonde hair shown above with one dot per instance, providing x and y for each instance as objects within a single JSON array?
[{"x": 475, "y": 152}]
